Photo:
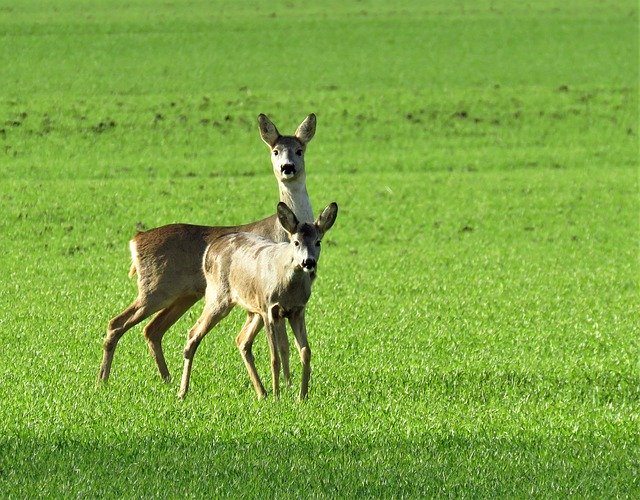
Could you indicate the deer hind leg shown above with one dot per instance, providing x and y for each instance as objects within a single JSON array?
[
  {"x": 275, "y": 328},
  {"x": 283, "y": 349},
  {"x": 118, "y": 326},
  {"x": 156, "y": 328},
  {"x": 211, "y": 315},
  {"x": 244, "y": 341}
]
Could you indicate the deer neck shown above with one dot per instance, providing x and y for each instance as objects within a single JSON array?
[{"x": 294, "y": 194}]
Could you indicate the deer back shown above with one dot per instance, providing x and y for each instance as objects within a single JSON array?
[{"x": 170, "y": 257}]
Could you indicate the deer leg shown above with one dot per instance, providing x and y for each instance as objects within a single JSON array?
[
  {"x": 211, "y": 315},
  {"x": 283, "y": 348},
  {"x": 118, "y": 326},
  {"x": 156, "y": 328},
  {"x": 244, "y": 341},
  {"x": 274, "y": 327},
  {"x": 299, "y": 327}
]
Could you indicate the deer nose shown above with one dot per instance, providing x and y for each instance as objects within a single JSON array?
[
  {"x": 288, "y": 169},
  {"x": 309, "y": 263}
]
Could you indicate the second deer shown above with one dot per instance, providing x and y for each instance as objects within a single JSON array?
[{"x": 272, "y": 280}]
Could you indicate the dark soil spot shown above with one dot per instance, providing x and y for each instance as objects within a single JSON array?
[
  {"x": 467, "y": 229},
  {"x": 103, "y": 126},
  {"x": 461, "y": 115},
  {"x": 73, "y": 250},
  {"x": 204, "y": 104},
  {"x": 412, "y": 118},
  {"x": 563, "y": 88}
]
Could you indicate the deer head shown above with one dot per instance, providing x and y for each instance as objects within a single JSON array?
[
  {"x": 305, "y": 238},
  {"x": 287, "y": 152}
]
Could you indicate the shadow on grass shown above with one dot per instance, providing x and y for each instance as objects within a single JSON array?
[{"x": 357, "y": 465}]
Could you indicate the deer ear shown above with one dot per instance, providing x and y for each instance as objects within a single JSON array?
[
  {"x": 307, "y": 129},
  {"x": 287, "y": 218},
  {"x": 268, "y": 130},
  {"x": 327, "y": 218}
]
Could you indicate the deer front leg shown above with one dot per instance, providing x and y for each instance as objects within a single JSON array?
[
  {"x": 244, "y": 341},
  {"x": 299, "y": 327},
  {"x": 274, "y": 325}
]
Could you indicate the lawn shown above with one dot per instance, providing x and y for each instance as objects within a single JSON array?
[{"x": 475, "y": 323}]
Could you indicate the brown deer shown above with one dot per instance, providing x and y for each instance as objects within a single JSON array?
[
  {"x": 272, "y": 280},
  {"x": 168, "y": 259}
]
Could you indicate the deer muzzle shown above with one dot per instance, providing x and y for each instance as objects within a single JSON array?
[
  {"x": 309, "y": 265},
  {"x": 288, "y": 169}
]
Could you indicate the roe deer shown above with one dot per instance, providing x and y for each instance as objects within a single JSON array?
[
  {"x": 168, "y": 259},
  {"x": 265, "y": 278}
]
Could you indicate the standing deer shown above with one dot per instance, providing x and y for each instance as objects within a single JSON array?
[
  {"x": 272, "y": 280},
  {"x": 168, "y": 259}
]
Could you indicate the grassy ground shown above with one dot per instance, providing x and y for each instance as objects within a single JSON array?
[{"x": 475, "y": 323}]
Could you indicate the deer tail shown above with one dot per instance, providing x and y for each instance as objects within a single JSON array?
[{"x": 132, "y": 271}]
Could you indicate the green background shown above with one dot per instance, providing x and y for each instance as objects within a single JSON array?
[{"x": 475, "y": 322}]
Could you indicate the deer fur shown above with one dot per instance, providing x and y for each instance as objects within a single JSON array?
[
  {"x": 168, "y": 259},
  {"x": 272, "y": 280}
]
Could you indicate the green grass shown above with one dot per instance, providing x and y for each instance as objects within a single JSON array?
[{"x": 475, "y": 324}]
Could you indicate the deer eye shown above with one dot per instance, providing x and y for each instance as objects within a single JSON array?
[
  {"x": 296, "y": 243},
  {"x": 299, "y": 152},
  {"x": 275, "y": 152}
]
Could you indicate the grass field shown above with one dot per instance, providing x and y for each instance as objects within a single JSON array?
[{"x": 475, "y": 324}]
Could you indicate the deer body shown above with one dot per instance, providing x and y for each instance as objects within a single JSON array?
[
  {"x": 168, "y": 259},
  {"x": 267, "y": 279},
  {"x": 163, "y": 257}
]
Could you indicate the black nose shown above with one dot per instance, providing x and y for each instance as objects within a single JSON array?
[
  {"x": 288, "y": 169},
  {"x": 309, "y": 263}
]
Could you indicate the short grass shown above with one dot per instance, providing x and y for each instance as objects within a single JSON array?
[{"x": 475, "y": 324}]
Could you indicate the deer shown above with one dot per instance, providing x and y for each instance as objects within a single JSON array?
[
  {"x": 168, "y": 259},
  {"x": 265, "y": 278}
]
